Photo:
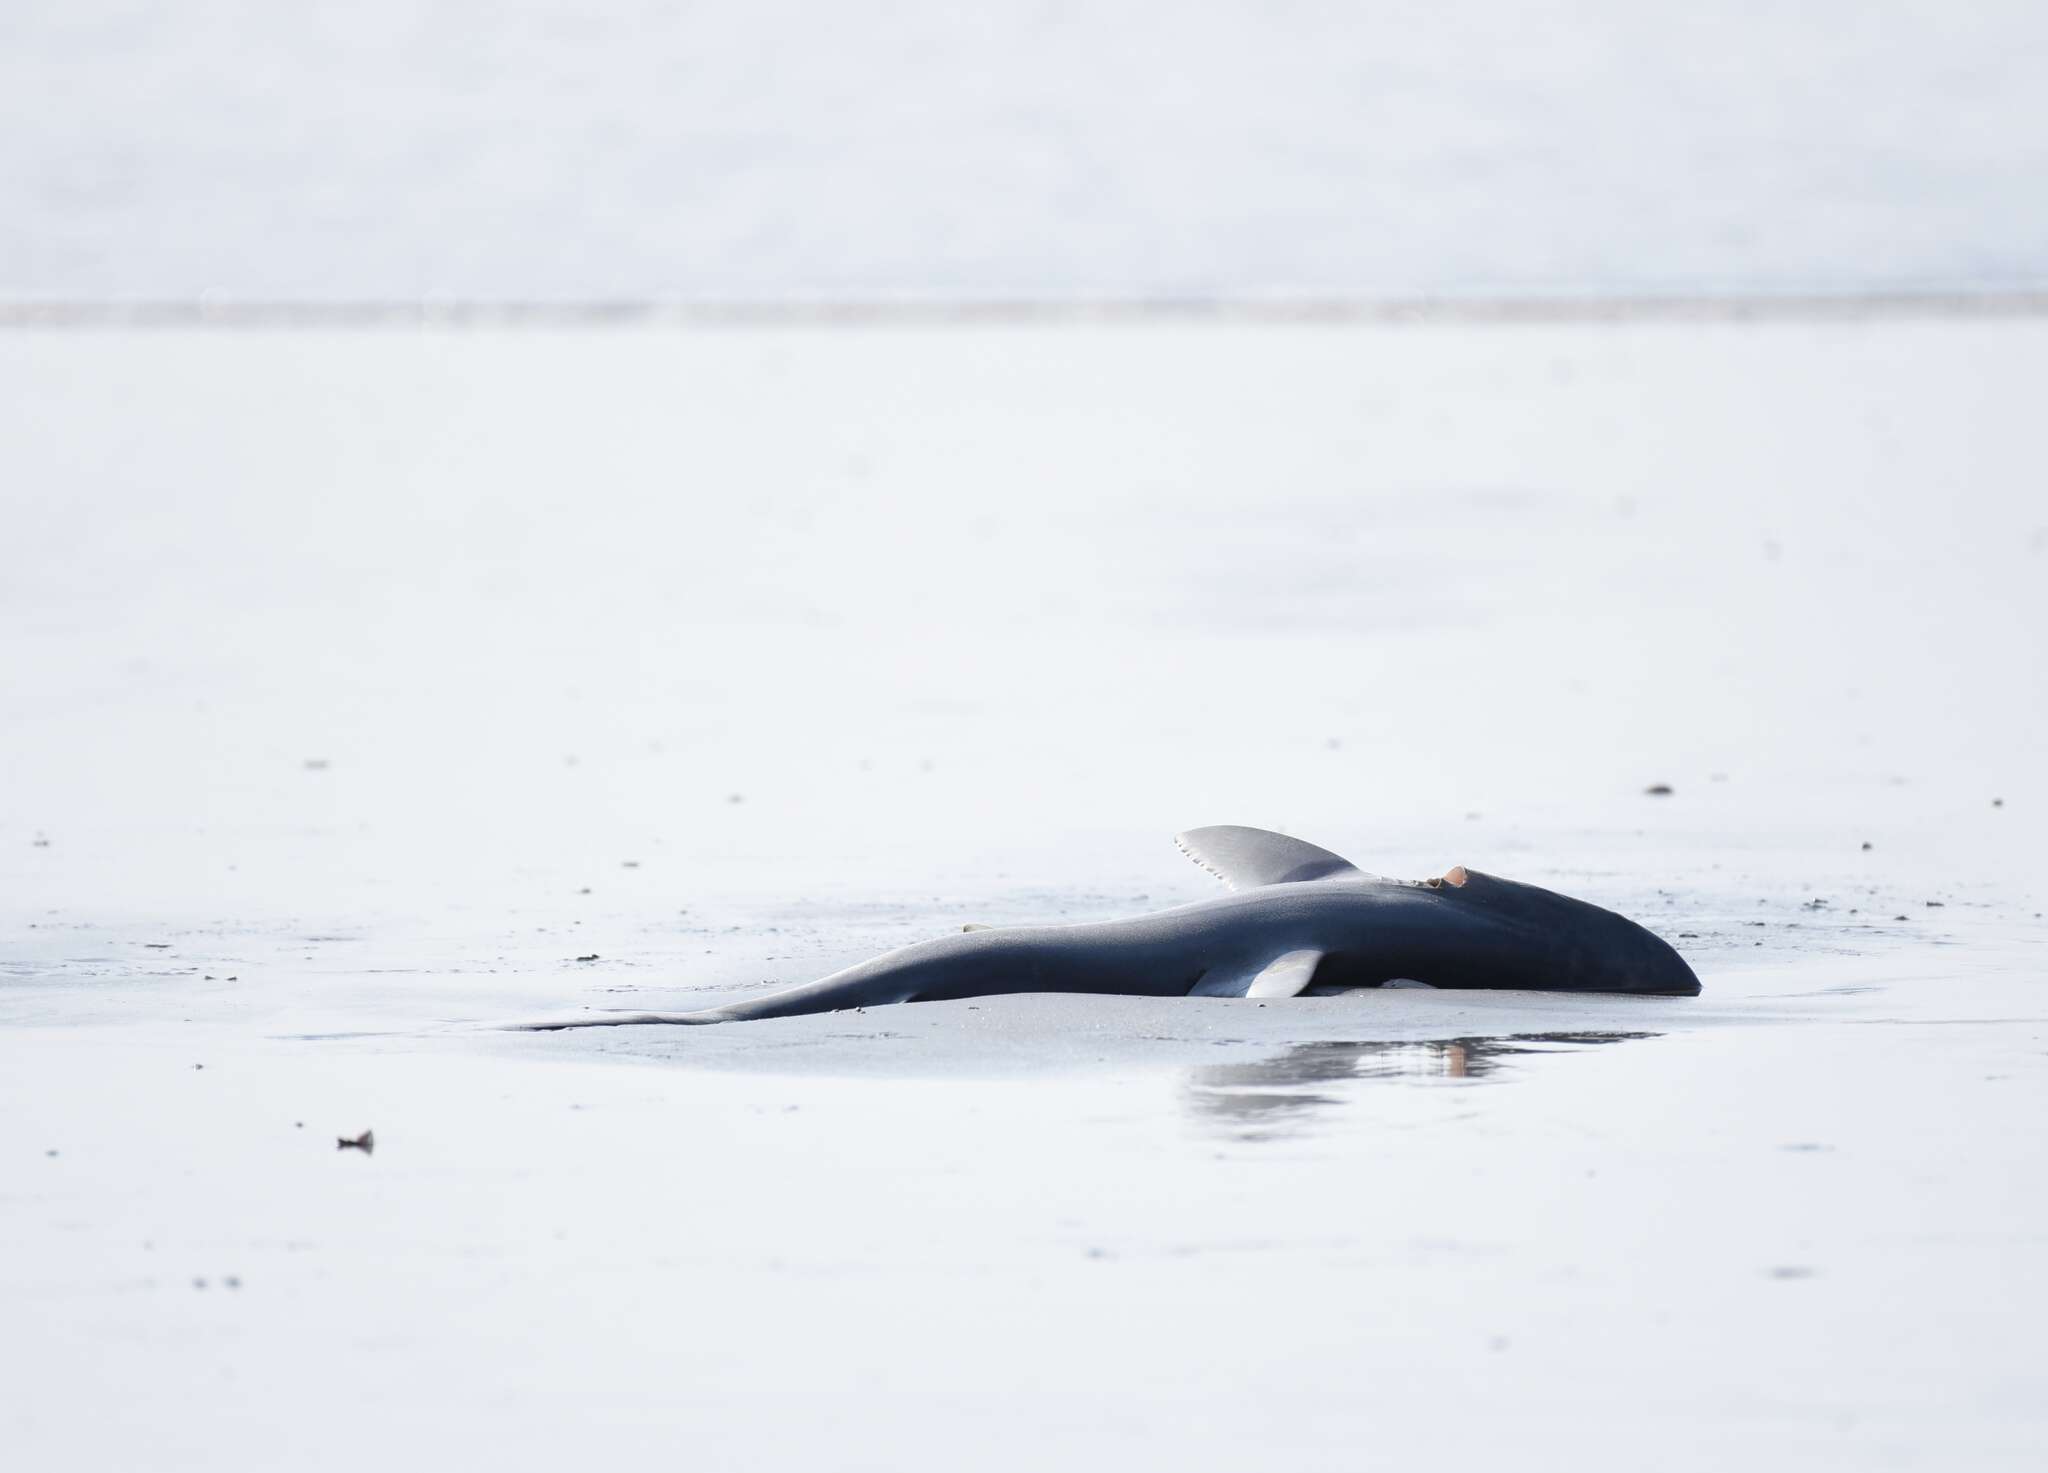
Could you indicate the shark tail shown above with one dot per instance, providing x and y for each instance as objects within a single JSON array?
[{"x": 616, "y": 1020}]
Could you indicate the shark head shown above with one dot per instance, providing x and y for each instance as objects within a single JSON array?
[{"x": 1583, "y": 948}]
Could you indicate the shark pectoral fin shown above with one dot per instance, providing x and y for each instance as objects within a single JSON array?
[
  {"x": 1247, "y": 858},
  {"x": 1285, "y": 975}
]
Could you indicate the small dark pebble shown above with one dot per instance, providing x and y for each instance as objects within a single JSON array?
[
  {"x": 1657, "y": 790},
  {"x": 1868, "y": 846},
  {"x": 1995, "y": 803},
  {"x": 1898, "y": 918},
  {"x": 49, "y": 1153},
  {"x": 591, "y": 958},
  {"x": 232, "y": 1282},
  {"x": 366, "y": 1143},
  {"x": 1936, "y": 905}
]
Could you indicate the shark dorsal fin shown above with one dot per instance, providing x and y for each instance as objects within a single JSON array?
[{"x": 1246, "y": 858}]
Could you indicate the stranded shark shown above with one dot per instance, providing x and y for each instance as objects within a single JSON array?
[{"x": 1300, "y": 920}]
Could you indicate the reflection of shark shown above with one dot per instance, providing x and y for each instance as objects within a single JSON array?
[
  {"x": 1271, "y": 1092},
  {"x": 1304, "y": 920}
]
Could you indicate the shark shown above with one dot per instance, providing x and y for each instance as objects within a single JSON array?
[{"x": 1295, "y": 920}]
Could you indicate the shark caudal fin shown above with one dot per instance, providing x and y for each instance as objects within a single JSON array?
[
  {"x": 612, "y": 1020},
  {"x": 1245, "y": 858}
]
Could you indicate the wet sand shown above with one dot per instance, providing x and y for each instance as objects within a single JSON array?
[{"x": 361, "y": 683}]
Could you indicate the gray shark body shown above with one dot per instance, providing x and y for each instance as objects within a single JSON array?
[{"x": 1301, "y": 920}]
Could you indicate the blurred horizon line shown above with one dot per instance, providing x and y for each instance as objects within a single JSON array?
[{"x": 209, "y": 310}]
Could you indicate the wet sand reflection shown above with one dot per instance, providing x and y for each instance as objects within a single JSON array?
[{"x": 1275, "y": 1096}]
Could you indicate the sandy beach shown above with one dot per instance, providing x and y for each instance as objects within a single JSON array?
[{"x": 364, "y": 687}]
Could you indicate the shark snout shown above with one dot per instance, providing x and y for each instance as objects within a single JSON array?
[{"x": 1591, "y": 949}]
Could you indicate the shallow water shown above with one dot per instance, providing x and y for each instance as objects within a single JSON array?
[
  {"x": 509, "y": 150},
  {"x": 368, "y": 687}
]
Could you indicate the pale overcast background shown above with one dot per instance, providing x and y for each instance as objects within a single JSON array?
[
  {"x": 519, "y": 149},
  {"x": 377, "y": 674}
]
